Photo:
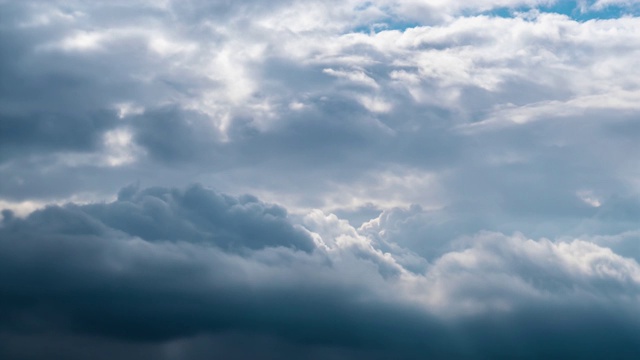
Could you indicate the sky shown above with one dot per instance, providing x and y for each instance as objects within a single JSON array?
[{"x": 287, "y": 179}]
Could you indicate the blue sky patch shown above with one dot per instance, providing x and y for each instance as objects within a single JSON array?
[{"x": 573, "y": 10}]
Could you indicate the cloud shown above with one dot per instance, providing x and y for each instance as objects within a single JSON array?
[
  {"x": 218, "y": 104},
  {"x": 440, "y": 179},
  {"x": 160, "y": 266}
]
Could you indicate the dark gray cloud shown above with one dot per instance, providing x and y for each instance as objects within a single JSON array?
[
  {"x": 158, "y": 264},
  {"x": 159, "y": 214},
  {"x": 22, "y": 135},
  {"x": 160, "y": 267},
  {"x": 173, "y": 136}
]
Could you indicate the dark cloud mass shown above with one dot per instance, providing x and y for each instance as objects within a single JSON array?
[
  {"x": 161, "y": 266},
  {"x": 393, "y": 179}
]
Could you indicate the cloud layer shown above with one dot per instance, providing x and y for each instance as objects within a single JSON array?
[
  {"x": 162, "y": 265},
  {"x": 443, "y": 179}
]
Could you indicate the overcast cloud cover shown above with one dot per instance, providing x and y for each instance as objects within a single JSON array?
[{"x": 291, "y": 179}]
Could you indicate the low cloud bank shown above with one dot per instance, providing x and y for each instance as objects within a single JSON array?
[{"x": 159, "y": 267}]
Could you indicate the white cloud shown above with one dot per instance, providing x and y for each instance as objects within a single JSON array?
[
  {"x": 120, "y": 148},
  {"x": 603, "y": 4},
  {"x": 494, "y": 272},
  {"x": 358, "y": 77}
]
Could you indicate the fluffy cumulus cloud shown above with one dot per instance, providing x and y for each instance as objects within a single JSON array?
[{"x": 428, "y": 179}]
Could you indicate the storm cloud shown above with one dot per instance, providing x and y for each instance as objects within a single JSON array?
[{"x": 163, "y": 265}]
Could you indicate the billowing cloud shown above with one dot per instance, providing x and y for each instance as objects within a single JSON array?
[
  {"x": 445, "y": 179},
  {"x": 165, "y": 265}
]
